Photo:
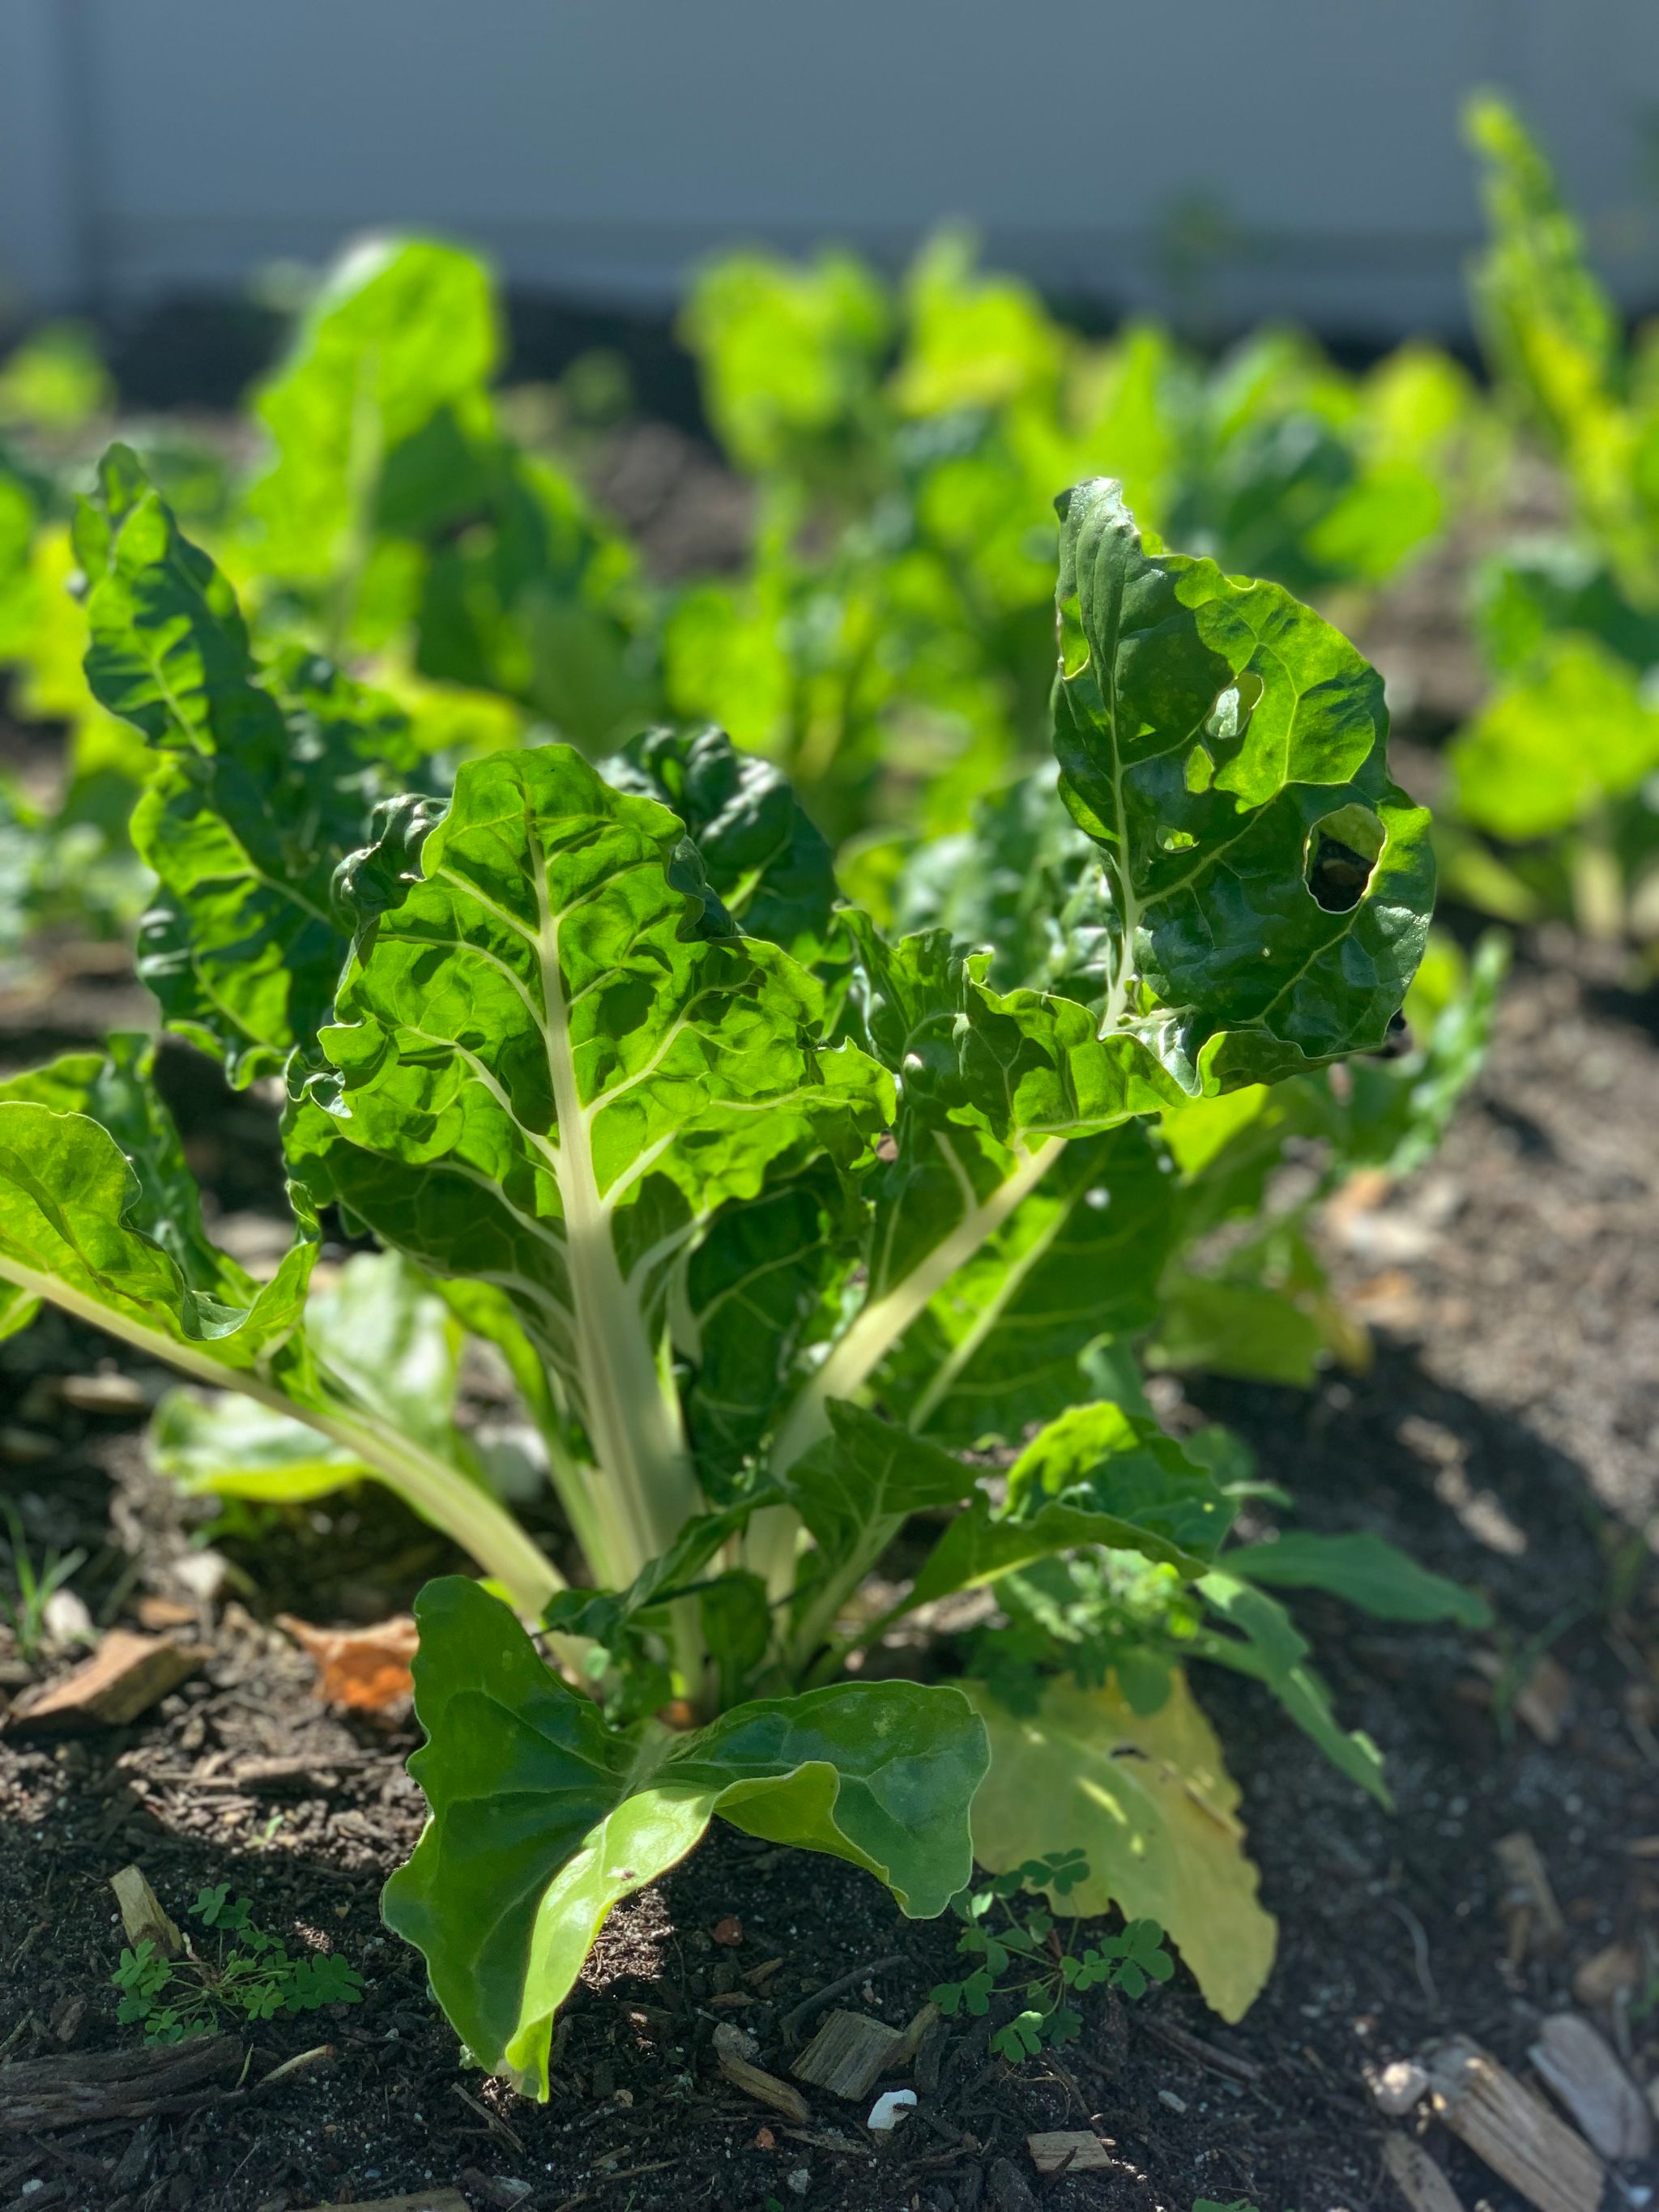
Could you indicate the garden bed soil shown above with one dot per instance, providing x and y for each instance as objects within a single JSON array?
[{"x": 1508, "y": 1431}]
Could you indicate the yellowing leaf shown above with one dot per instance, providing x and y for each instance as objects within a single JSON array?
[{"x": 1150, "y": 1801}]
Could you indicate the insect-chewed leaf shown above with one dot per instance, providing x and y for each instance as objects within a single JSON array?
[
  {"x": 1224, "y": 747},
  {"x": 543, "y": 1819},
  {"x": 1147, "y": 1797}
]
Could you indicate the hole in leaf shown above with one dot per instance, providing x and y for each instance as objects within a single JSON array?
[
  {"x": 1199, "y": 772},
  {"x": 1341, "y": 852},
  {"x": 1235, "y": 703}
]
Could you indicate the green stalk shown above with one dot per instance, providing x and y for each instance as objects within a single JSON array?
[
  {"x": 441, "y": 1493},
  {"x": 883, "y": 1321}
]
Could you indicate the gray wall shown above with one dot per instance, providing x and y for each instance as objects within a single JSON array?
[{"x": 601, "y": 146}]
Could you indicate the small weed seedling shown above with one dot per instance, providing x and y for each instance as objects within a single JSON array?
[
  {"x": 1022, "y": 1951},
  {"x": 251, "y": 1976},
  {"x": 26, "y": 1617}
]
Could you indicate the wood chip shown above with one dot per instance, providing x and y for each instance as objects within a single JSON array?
[
  {"x": 849, "y": 2054},
  {"x": 142, "y": 1913},
  {"x": 159, "y": 1612},
  {"x": 1612, "y": 1972},
  {"x": 1401, "y": 2085},
  {"x": 1065, "y": 2150},
  {"x": 123, "y": 1678},
  {"x": 419, "y": 2200},
  {"x": 103, "y": 1393},
  {"x": 765, "y": 2088},
  {"x": 1512, "y": 2130},
  {"x": 365, "y": 1669},
  {"x": 1581, "y": 2071},
  {"x": 1528, "y": 1903},
  {"x": 80, "y": 2087},
  {"x": 1416, "y": 2175}
]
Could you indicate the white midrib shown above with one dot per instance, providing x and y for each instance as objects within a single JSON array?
[
  {"x": 885, "y": 1319},
  {"x": 441, "y": 1494},
  {"x": 636, "y": 1433}
]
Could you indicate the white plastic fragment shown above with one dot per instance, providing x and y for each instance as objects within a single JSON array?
[{"x": 888, "y": 2109}]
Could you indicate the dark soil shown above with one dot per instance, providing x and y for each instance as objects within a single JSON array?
[{"x": 1507, "y": 1431}]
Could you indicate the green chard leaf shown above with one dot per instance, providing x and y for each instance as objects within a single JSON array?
[
  {"x": 401, "y": 337},
  {"x": 543, "y": 1819},
  {"x": 1363, "y": 1570},
  {"x": 1225, "y": 749},
  {"x": 1270, "y": 1649},
  {"x": 1097, "y": 1475},
  {"x": 105, "y": 1222},
  {"x": 1077, "y": 1260},
  {"x": 264, "y": 780},
  {"x": 550, "y": 1068},
  {"x": 115, "y": 1235},
  {"x": 765, "y": 861}
]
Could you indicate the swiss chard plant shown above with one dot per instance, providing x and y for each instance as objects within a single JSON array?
[
  {"x": 772, "y": 1213},
  {"x": 889, "y": 644},
  {"x": 1553, "y": 804}
]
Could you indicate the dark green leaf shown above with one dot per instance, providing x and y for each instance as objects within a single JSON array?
[{"x": 541, "y": 1819}]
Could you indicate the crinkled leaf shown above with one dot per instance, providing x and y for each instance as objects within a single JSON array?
[
  {"x": 760, "y": 1289},
  {"x": 545, "y": 1076},
  {"x": 1225, "y": 748},
  {"x": 543, "y": 1819},
  {"x": 77, "y": 1226},
  {"x": 1023, "y": 881},
  {"x": 1364, "y": 1570},
  {"x": 1148, "y": 1801},
  {"x": 766, "y": 862},
  {"x": 1111, "y": 1459},
  {"x": 264, "y": 780},
  {"x": 856, "y": 1488}
]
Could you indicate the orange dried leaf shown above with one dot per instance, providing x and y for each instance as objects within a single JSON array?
[{"x": 364, "y": 1668}]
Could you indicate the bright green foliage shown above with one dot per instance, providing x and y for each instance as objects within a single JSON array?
[
  {"x": 892, "y": 636},
  {"x": 1559, "y": 767},
  {"x": 543, "y": 1818},
  {"x": 250, "y": 1976},
  {"x": 1224, "y": 748},
  {"x": 1013, "y": 1947},
  {"x": 767, "y": 1210},
  {"x": 268, "y": 779}
]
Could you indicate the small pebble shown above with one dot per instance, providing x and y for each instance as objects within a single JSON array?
[
  {"x": 1169, "y": 2097},
  {"x": 801, "y": 2180}
]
